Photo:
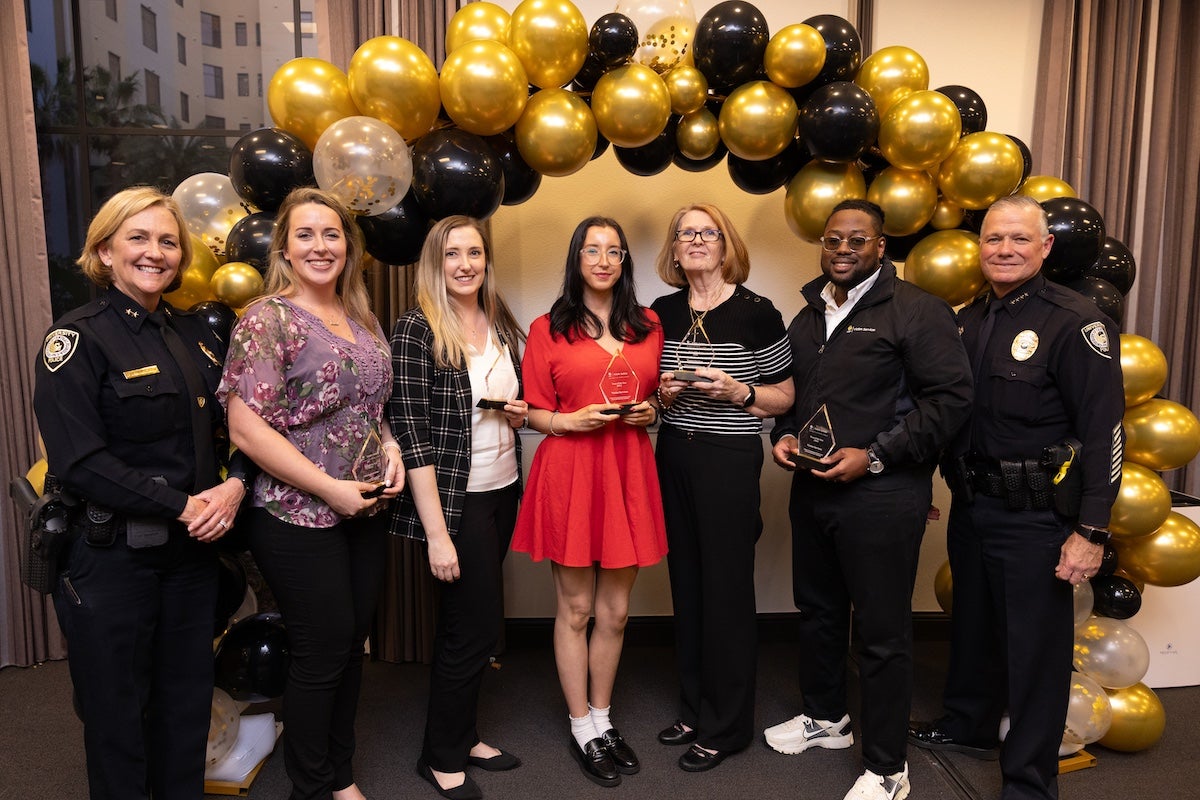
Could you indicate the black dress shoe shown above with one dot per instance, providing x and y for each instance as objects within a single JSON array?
[
  {"x": 622, "y": 754},
  {"x": 932, "y": 736},
  {"x": 697, "y": 759},
  {"x": 595, "y": 762},
  {"x": 498, "y": 763},
  {"x": 677, "y": 734},
  {"x": 467, "y": 790}
]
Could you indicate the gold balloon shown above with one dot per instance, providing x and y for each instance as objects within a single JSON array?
[
  {"x": 982, "y": 168},
  {"x": 479, "y": 20},
  {"x": 688, "y": 89},
  {"x": 1142, "y": 504},
  {"x": 1143, "y": 368},
  {"x": 557, "y": 133},
  {"x": 393, "y": 80},
  {"x": 908, "y": 198},
  {"x": 666, "y": 43},
  {"x": 891, "y": 73},
  {"x": 698, "y": 135},
  {"x": 1170, "y": 556},
  {"x": 946, "y": 263},
  {"x": 758, "y": 120},
  {"x": 484, "y": 88},
  {"x": 307, "y": 95},
  {"x": 1161, "y": 434},
  {"x": 795, "y": 55},
  {"x": 236, "y": 284},
  {"x": 193, "y": 283},
  {"x": 1045, "y": 187},
  {"x": 920, "y": 130},
  {"x": 37, "y": 475},
  {"x": 946, "y": 215},
  {"x": 631, "y": 104},
  {"x": 815, "y": 190},
  {"x": 1138, "y": 719},
  {"x": 551, "y": 39},
  {"x": 943, "y": 587}
]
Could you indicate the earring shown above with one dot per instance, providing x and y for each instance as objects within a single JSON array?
[{"x": 677, "y": 264}]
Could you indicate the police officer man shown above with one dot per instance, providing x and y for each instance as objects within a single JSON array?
[
  {"x": 881, "y": 376},
  {"x": 1047, "y": 394}
]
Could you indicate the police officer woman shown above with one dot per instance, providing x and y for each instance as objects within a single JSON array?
[{"x": 125, "y": 402}]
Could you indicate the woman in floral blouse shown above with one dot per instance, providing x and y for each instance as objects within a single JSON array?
[{"x": 305, "y": 384}]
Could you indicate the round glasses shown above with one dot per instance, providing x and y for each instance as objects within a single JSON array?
[
  {"x": 855, "y": 243},
  {"x": 706, "y": 235},
  {"x": 593, "y": 255}
]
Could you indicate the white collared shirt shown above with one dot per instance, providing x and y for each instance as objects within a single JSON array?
[{"x": 834, "y": 314}]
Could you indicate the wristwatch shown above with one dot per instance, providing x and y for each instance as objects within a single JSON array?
[
  {"x": 1093, "y": 534},
  {"x": 749, "y": 401},
  {"x": 874, "y": 465}
]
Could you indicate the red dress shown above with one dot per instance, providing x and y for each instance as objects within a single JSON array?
[{"x": 592, "y": 497}]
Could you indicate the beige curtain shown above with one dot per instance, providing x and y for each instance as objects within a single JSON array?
[
  {"x": 1119, "y": 121},
  {"x": 28, "y": 628}
]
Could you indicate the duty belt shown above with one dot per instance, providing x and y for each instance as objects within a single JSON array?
[{"x": 1022, "y": 484}]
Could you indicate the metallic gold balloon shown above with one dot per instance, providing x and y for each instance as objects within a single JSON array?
[
  {"x": 484, "y": 87},
  {"x": 307, "y": 95},
  {"x": 631, "y": 104},
  {"x": 1143, "y": 368},
  {"x": 1170, "y": 556},
  {"x": 1142, "y": 504},
  {"x": 551, "y": 39},
  {"x": 1161, "y": 434},
  {"x": 815, "y": 190},
  {"x": 982, "y": 168},
  {"x": 698, "y": 134},
  {"x": 943, "y": 587},
  {"x": 919, "y": 130},
  {"x": 688, "y": 89},
  {"x": 946, "y": 263},
  {"x": 393, "y": 80},
  {"x": 908, "y": 198},
  {"x": 946, "y": 215},
  {"x": 557, "y": 133},
  {"x": 758, "y": 120},
  {"x": 1138, "y": 719},
  {"x": 891, "y": 73},
  {"x": 193, "y": 283},
  {"x": 37, "y": 475},
  {"x": 236, "y": 284},
  {"x": 795, "y": 55},
  {"x": 1045, "y": 187},
  {"x": 479, "y": 20}
]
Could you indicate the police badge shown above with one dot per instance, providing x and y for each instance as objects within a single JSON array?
[
  {"x": 1096, "y": 336},
  {"x": 59, "y": 347}
]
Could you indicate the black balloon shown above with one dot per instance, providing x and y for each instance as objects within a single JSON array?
[
  {"x": 589, "y": 74},
  {"x": 701, "y": 164},
  {"x": 1115, "y": 597},
  {"x": 250, "y": 240},
  {"x": 613, "y": 39},
  {"x": 1115, "y": 265},
  {"x": 839, "y": 122},
  {"x": 396, "y": 235},
  {"x": 266, "y": 164},
  {"x": 601, "y": 146},
  {"x": 1108, "y": 562},
  {"x": 843, "y": 49},
  {"x": 455, "y": 172},
  {"x": 251, "y": 661},
  {"x": 1078, "y": 237},
  {"x": 219, "y": 317},
  {"x": 231, "y": 590},
  {"x": 764, "y": 177},
  {"x": 1106, "y": 296},
  {"x": 729, "y": 44},
  {"x": 897, "y": 248},
  {"x": 970, "y": 107},
  {"x": 1026, "y": 157},
  {"x": 521, "y": 181},
  {"x": 651, "y": 158}
]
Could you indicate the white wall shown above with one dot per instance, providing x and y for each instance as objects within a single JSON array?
[{"x": 990, "y": 47}]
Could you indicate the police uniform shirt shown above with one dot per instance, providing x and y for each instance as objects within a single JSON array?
[
  {"x": 113, "y": 407},
  {"x": 1050, "y": 369}
]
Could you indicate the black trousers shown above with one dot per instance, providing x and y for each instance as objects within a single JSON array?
[
  {"x": 470, "y": 615},
  {"x": 854, "y": 559},
  {"x": 326, "y": 582},
  {"x": 711, "y": 503},
  {"x": 1012, "y": 639},
  {"x": 139, "y": 627}
]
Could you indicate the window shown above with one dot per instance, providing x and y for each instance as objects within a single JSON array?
[
  {"x": 260, "y": 84},
  {"x": 110, "y": 9},
  {"x": 210, "y": 29},
  {"x": 258, "y": 34},
  {"x": 240, "y": 34},
  {"x": 243, "y": 80},
  {"x": 153, "y": 96},
  {"x": 213, "y": 122},
  {"x": 149, "y": 29},
  {"x": 114, "y": 67},
  {"x": 181, "y": 46},
  {"x": 306, "y": 25},
  {"x": 179, "y": 3},
  {"x": 185, "y": 111},
  {"x": 214, "y": 81},
  {"x": 244, "y": 126}
]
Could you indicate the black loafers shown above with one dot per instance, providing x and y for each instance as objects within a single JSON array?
[
  {"x": 595, "y": 762},
  {"x": 677, "y": 734},
  {"x": 498, "y": 763},
  {"x": 932, "y": 736},
  {"x": 697, "y": 759},
  {"x": 467, "y": 790},
  {"x": 622, "y": 754}
]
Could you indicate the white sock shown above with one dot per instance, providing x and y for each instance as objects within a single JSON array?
[
  {"x": 600, "y": 718},
  {"x": 583, "y": 729}
]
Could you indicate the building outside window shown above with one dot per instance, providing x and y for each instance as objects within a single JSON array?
[
  {"x": 149, "y": 29},
  {"x": 153, "y": 91},
  {"x": 185, "y": 112},
  {"x": 243, "y": 81},
  {"x": 114, "y": 66},
  {"x": 214, "y": 81},
  {"x": 240, "y": 37},
  {"x": 210, "y": 29},
  {"x": 110, "y": 9},
  {"x": 181, "y": 46}
]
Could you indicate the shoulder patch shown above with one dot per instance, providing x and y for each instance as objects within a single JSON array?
[
  {"x": 1097, "y": 338},
  {"x": 60, "y": 345}
]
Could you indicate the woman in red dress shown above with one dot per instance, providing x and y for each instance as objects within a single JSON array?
[{"x": 592, "y": 505}]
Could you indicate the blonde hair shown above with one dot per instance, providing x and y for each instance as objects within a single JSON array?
[
  {"x": 735, "y": 267},
  {"x": 449, "y": 339},
  {"x": 112, "y": 215}
]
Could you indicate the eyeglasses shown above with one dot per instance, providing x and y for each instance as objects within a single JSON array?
[
  {"x": 593, "y": 255},
  {"x": 856, "y": 243},
  {"x": 706, "y": 235}
]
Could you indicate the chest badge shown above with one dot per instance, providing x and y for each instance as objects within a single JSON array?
[
  {"x": 1024, "y": 345},
  {"x": 60, "y": 345}
]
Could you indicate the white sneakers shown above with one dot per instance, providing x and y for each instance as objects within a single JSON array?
[
  {"x": 802, "y": 732},
  {"x": 870, "y": 786}
]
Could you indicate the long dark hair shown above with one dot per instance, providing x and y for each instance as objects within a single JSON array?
[{"x": 569, "y": 317}]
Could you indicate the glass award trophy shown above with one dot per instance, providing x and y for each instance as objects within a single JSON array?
[
  {"x": 619, "y": 384},
  {"x": 371, "y": 465},
  {"x": 815, "y": 441},
  {"x": 695, "y": 350}
]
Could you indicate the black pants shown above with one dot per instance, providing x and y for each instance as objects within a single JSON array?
[
  {"x": 470, "y": 614},
  {"x": 711, "y": 503},
  {"x": 1012, "y": 639},
  {"x": 854, "y": 558},
  {"x": 326, "y": 582},
  {"x": 139, "y": 627}
]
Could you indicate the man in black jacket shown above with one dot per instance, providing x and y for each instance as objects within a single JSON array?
[{"x": 883, "y": 383}]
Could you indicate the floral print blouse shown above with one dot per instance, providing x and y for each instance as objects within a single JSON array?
[{"x": 323, "y": 393}]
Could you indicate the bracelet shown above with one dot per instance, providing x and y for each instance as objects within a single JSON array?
[
  {"x": 392, "y": 444},
  {"x": 659, "y": 394},
  {"x": 552, "y": 431}
]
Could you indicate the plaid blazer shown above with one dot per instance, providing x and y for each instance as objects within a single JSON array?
[{"x": 430, "y": 416}]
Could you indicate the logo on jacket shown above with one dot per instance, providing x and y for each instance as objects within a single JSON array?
[
  {"x": 1097, "y": 338},
  {"x": 859, "y": 328},
  {"x": 1024, "y": 345},
  {"x": 60, "y": 345}
]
